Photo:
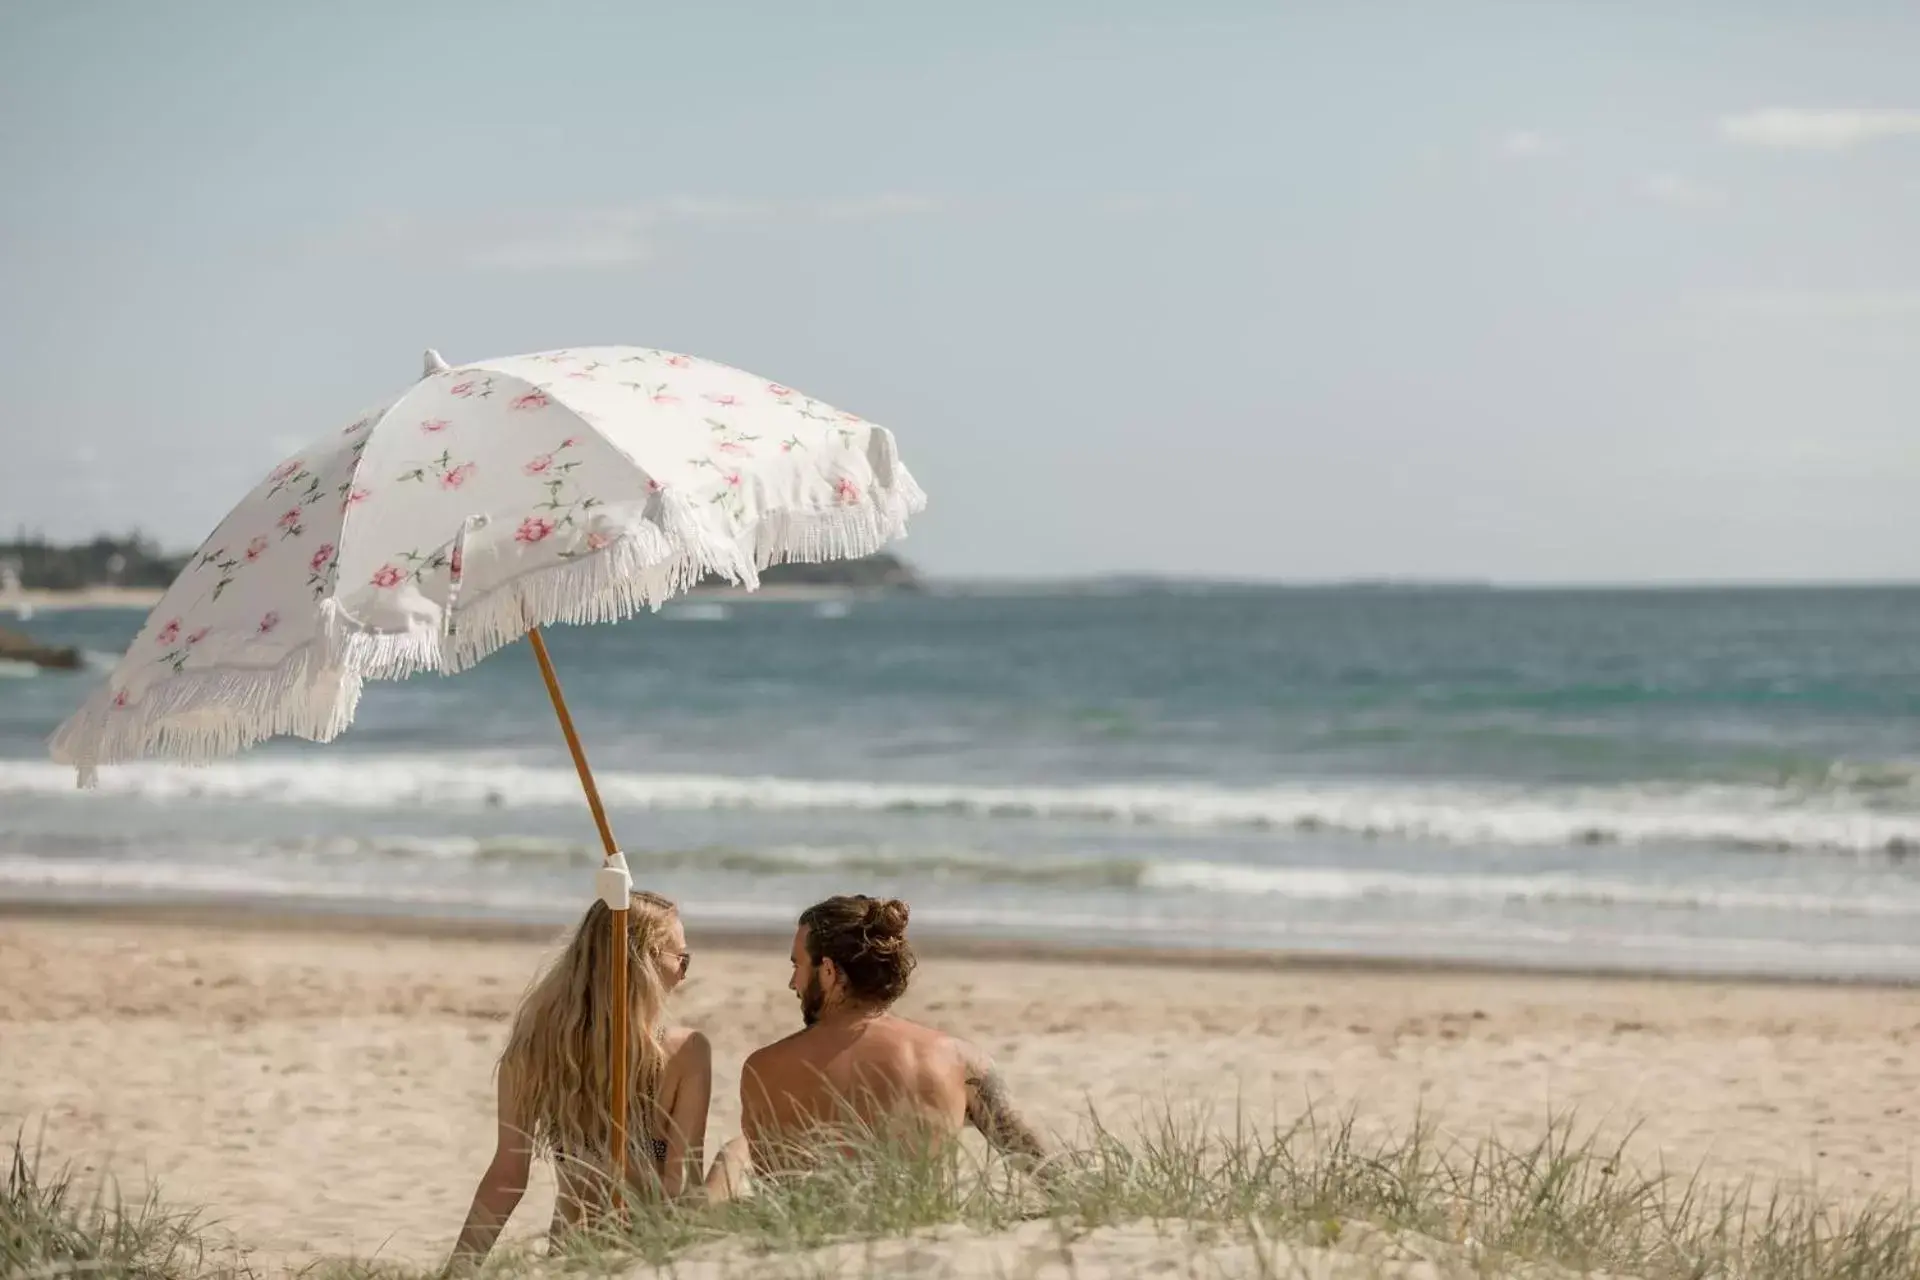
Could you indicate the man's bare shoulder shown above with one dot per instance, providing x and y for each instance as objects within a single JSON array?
[
  {"x": 775, "y": 1052},
  {"x": 906, "y": 1030},
  {"x": 967, "y": 1056}
]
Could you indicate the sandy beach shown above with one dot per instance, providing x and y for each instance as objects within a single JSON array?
[{"x": 323, "y": 1088}]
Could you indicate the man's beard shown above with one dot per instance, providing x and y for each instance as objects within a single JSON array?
[{"x": 813, "y": 998}]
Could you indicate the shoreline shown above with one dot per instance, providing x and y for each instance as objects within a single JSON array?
[
  {"x": 318, "y": 920},
  {"x": 24, "y": 604}
]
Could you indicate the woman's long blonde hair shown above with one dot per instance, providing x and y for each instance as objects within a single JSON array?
[{"x": 556, "y": 1068}]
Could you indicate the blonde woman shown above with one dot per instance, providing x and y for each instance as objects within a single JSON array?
[{"x": 553, "y": 1079}]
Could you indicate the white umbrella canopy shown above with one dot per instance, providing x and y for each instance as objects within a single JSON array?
[{"x": 485, "y": 501}]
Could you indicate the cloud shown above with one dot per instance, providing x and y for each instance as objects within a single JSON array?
[
  {"x": 1528, "y": 144},
  {"x": 1677, "y": 192},
  {"x": 1825, "y": 129}
]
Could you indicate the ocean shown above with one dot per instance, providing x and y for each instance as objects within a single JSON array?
[{"x": 1713, "y": 781}]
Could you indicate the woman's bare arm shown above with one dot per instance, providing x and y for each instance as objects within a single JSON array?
[
  {"x": 499, "y": 1192},
  {"x": 686, "y": 1116}
]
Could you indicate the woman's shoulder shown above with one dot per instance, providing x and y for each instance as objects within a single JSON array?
[{"x": 686, "y": 1044}]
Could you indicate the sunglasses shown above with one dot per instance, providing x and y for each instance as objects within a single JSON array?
[{"x": 686, "y": 960}]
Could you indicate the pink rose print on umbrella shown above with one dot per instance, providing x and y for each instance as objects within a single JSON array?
[
  {"x": 387, "y": 576},
  {"x": 733, "y": 479},
  {"x": 851, "y": 417},
  {"x": 597, "y": 540},
  {"x": 268, "y": 622},
  {"x": 461, "y": 389},
  {"x": 533, "y": 529},
  {"x": 456, "y": 564},
  {"x": 433, "y": 426},
  {"x": 257, "y": 548},
  {"x": 569, "y": 442},
  {"x": 678, "y": 362},
  {"x": 778, "y": 391},
  {"x": 725, "y": 402},
  {"x": 318, "y": 567},
  {"x": 199, "y": 635},
  {"x": 443, "y": 468},
  {"x": 790, "y": 444},
  {"x": 735, "y": 447},
  {"x": 532, "y": 400},
  {"x": 540, "y": 465},
  {"x": 120, "y": 698},
  {"x": 356, "y": 496},
  {"x": 666, "y": 398},
  {"x": 290, "y": 518},
  {"x": 846, "y": 490},
  {"x": 170, "y": 632},
  {"x": 289, "y": 475}
]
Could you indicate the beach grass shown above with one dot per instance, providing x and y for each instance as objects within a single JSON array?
[{"x": 1563, "y": 1202}]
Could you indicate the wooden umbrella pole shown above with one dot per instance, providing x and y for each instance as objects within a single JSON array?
[{"x": 618, "y": 939}]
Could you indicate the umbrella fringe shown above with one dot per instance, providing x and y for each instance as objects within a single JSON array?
[{"x": 196, "y": 717}]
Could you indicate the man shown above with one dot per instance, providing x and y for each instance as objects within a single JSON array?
[{"x": 855, "y": 1061}]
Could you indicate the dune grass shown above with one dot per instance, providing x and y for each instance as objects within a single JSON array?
[{"x": 1563, "y": 1201}]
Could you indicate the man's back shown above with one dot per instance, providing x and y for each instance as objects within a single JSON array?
[
  {"x": 870, "y": 1074},
  {"x": 856, "y": 1066}
]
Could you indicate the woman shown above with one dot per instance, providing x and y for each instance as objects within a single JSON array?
[{"x": 554, "y": 1079}]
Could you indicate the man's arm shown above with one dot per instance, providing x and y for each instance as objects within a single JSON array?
[
  {"x": 990, "y": 1109},
  {"x": 731, "y": 1177}
]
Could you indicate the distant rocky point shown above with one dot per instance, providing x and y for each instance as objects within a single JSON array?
[
  {"x": 15, "y": 647},
  {"x": 881, "y": 572}
]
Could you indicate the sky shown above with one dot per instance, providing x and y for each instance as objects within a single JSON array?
[{"x": 1542, "y": 292}]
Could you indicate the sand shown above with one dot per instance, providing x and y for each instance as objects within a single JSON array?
[{"x": 325, "y": 1090}]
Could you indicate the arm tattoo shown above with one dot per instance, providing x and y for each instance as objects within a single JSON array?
[{"x": 991, "y": 1111}]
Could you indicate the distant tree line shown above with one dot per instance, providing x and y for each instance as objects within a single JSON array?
[
  {"x": 138, "y": 561},
  {"x": 132, "y": 561}
]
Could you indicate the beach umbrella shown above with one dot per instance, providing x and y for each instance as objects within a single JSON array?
[{"x": 482, "y": 503}]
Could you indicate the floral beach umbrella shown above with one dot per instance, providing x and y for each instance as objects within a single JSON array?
[{"x": 478, "y": 505}]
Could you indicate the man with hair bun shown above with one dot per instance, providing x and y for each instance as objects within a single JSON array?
[{"x": 855, "y": 1061}]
